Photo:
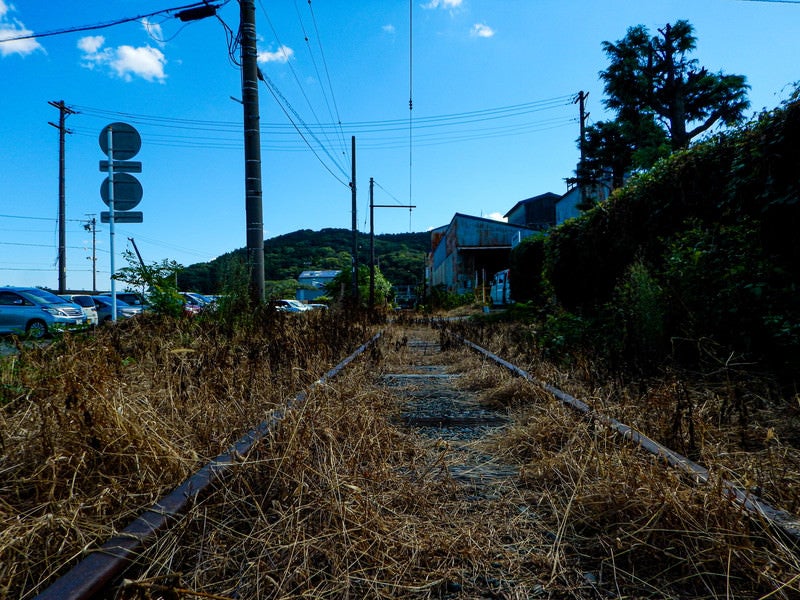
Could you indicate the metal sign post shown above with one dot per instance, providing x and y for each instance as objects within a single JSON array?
[
  {"x": 120, "y": 142},
  {"x": 110, "y": 136}
]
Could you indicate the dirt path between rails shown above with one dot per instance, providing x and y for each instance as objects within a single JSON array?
[{"x": 449, "y": 416}]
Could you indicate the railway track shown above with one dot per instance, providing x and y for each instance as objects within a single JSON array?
[{"x": 506, "y": 537}]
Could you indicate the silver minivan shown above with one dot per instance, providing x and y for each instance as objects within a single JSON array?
[{"x": 36, "y": 312}]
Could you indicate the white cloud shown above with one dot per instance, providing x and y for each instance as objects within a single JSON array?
[
  {"x": 481, "y": 30},
  {"x": 11, "y": 28},
  {"x": 281, "y": 55},
  {"x": 496, "y": 216},
  {"x": 91, "y": 43},
  {"x": 145, "y": 62},
  {"x": 154, "y": 31},
  {"x": 388, "y": 28},
  {"x": 124, "y": 61},
  {"x": 433, "y": 4}
]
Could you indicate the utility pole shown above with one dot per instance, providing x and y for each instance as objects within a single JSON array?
[
  {"x": 582, "y": 145},
  {"x": 252, "y": 149},
  {"x": 91, "y": 225},
  {"x": 372, "y": 207},
  {"x": 371, "y": 243},
  {"x": 354, "y": 224},
  {"x": 63, "y": 112},
  {"x": 136, "y": 249}
]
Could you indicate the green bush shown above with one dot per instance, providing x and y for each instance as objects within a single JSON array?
[
  {"x": 716, "y": 225},
  {"x": 526, "y": 269},
  {"x": 637, "y": 316}
]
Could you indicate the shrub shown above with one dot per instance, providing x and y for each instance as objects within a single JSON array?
[{"x": 527, "y": 262}]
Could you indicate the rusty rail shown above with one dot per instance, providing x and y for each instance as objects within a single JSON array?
[
  {"x": 784, "y": 521},
  {"x": 90, "y": 576}
]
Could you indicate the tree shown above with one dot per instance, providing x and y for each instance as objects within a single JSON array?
[
  {"x": 615, "y": 148},
  {"x": 157, "y": 281},
  {"x": 653, "y": 76},
  {"x": 339, "y": 287}
]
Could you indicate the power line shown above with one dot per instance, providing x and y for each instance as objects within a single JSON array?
[
  {"x": 107, "y": 24},
  {"x": 328, "y": 77},
  {"x": 38, "y": 218},
  {"x": 276, "y": 94},
  {"x": 300, "y": 86},
  {"x": 361, "y": 128}
]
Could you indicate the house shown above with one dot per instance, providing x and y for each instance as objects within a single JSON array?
[
  {"x": 467, "y": 252},
  {"x": 537, "y": 213},
  {"x": 311, "y": 284},
  {"x": 567, "y": 205}
]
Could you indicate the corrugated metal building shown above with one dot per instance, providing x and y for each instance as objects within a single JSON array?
[{"x": 470, "y": 250}]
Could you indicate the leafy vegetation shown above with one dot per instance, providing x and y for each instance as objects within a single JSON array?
[
  {"x": 663, "y": 99},
  {"x": 339, "y": 289},
  {"x": 401, "y": 258},
  {"x": 701, "y": 247},
  {"x": 156, "y": 282}
]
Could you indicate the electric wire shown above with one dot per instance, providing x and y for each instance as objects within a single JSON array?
[
  {"x": 282, "y": 49},
  {"x": 40, "y": 218},
  {"x": 434, "y": 120},
  {"x": 387, "y": 192},
  {"x": 105, "y": 25},
  {"x": 328, "y": 77},
  {"x": 276, "y": 94},
  {"x": 365, "y": 128}
]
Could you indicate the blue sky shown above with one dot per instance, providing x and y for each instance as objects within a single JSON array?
[{"x": 493, "y": 119}]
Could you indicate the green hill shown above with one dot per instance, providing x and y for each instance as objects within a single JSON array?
[{"x": 400, "y": 257}]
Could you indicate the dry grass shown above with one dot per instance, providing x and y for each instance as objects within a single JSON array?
[
  {"x": 644, "y": 530},
  {"x": 341, "y": 502},
  {"x": 94, "y": 430}
]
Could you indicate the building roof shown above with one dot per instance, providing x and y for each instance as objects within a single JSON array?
[{"x": 539, "y": 198}]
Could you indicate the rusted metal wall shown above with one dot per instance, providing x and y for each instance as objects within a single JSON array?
[{"x": 457, "y": 257}]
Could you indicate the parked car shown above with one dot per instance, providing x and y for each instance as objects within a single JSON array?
[
  {"x": 194, "y": 303},
  {"x": 132, "y": 298},
  {"x": 86, "y": 303},
  {"x": 36, "y": 312},
  {"x": 290, "y": 305},
  {"x": 104, "y": 306}
]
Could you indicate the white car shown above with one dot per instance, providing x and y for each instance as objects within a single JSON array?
[
  {"x": 290, "y": 305},
  {"x": 86, "y": 303}
]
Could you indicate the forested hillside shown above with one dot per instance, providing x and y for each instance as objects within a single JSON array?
[{"x": 400, "y": 257}]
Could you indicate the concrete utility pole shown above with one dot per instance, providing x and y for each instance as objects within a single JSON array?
[
  {"x": 252, "y": 149},
  {"x": 91, "y": 225},
  {"x": 355, "y": 224},
  {"x": 371, "y": 243},
  {"x": 582, "y": 145},
  {"x": 63, "y": 112}
]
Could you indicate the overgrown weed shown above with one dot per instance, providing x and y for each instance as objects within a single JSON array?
[{"x": 98, "y": 427}]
